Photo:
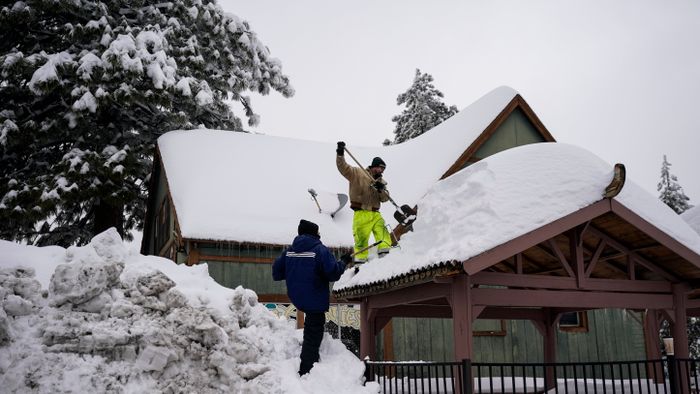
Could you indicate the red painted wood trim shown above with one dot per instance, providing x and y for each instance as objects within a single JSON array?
[
  {"x": 417, "y": 311},
  {"x": 407, "y": 295},
  {"x": 526, "y": 241},
  {"x": 569, "y": 299},
  {"x": 595, "y": 257},
  {"x": 693, "y": 304},
  {"x": 641, "y": 260},
  {"x": 560, "y": 256},
  {"x": 512, "y": 314},
  {"x": 564, "y": 283},
  {"x": 680, "y": 327},
  {"x": 656, "y": 233}
]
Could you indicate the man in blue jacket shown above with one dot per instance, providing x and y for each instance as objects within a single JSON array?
[{"x": 308, "y": 267}]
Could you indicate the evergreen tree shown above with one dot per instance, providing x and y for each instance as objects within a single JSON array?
[
  {"x": 671, "y": 192},
  {"x": 86, "y": 87},
  {"x": 424, "y": 109}
]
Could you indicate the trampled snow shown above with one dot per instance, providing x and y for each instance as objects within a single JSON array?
[
  {"x": 254, "y": 188},
  {"x": 505, "y": 196},
  {"x": 101, "y": 318}
]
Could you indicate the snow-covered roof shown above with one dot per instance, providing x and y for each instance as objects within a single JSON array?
[
  {"x": 254, "y": 188},
  {"x": 506, "y": 196},
  {"x": 692, "y": 217}
]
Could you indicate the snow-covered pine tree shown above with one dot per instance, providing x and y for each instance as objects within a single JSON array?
[
  {"x": 671, "y": 191},
  {"x": 87, "y": 86},
  {"x": 424, "y": 109}
]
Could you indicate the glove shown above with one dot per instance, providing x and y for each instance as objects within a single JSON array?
[
  {"x": 379, "y": 186},
  {"x": 346, "y": 258},
  {"x": 340, "y": 150}
]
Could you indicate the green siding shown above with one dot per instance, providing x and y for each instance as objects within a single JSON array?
[
  {"x": 255, "y": 276},
  {"x": 614, "y": 335},
  {"x": 516, "y": 130}
]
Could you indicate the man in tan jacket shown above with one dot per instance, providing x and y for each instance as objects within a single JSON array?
[{"x": 367, "y": 192}]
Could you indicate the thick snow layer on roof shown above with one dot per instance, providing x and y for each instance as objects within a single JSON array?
[
  {"x": 99, "y": 319},
  {"x": 505, "y": 196},
  {"x": 692, "y": 217},
  {"x": 253, "y": 188}
]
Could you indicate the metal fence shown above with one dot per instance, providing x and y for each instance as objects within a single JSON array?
[{"x": 665, "y": 376}]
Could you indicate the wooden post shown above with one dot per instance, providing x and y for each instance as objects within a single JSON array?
[
  {"x": 651, "y": 343},
  {"x": 461, "y": 304},
  {"x": 680, "y": 325},
  {"x": 680, "y": 335},
  {"x": 368, "y": 340},
  {"x": 550, "y": 346}
]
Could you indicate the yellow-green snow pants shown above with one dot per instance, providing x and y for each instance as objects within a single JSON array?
[{"x": 364, "y": 223}]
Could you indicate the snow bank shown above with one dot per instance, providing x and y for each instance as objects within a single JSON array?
[
  {"x": 100, "y": 318},
  {"x": 505, "y": 196}
]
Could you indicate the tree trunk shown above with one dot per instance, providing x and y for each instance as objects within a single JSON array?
[{"x": 108, "y": 215}]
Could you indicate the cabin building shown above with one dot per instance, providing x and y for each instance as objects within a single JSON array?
[{"x": 233, "y": 201}]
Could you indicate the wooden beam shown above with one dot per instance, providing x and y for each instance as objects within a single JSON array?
[
  {"x": 594, "y": 258},
  {"x": 512, "y": 314},
  {"x": 655, "y": 233},
  {"x": 560, "y": 256},
  {"x": 564, "y": 283},
  {"x": 641, "y": 260},
  {"x": 576, "y": 253},
  {"x": 569, "y": 299},
  {"x": 532, "y": 238},
  {"x": 417, "y": 311},
  {"x": 423, "y": 292},
  {"x": 519, "y": 263}
]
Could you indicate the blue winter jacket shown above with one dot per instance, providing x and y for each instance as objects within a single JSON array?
[{"x": 308, "y": 267}]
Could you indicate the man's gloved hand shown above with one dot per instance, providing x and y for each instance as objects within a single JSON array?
[
  {"x": 340, "y": 150},
  {"x": 347, "y": 260},
  {"x": 379, "y": 185}
]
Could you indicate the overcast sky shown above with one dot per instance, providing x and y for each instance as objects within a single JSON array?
[{"x": 620, "y": 78}]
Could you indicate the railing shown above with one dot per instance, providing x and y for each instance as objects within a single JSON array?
[{"x": 666, "y": 376}]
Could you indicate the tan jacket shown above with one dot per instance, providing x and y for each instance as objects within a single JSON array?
[{"x": 362, "y": 194}]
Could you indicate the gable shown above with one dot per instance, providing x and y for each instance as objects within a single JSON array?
[
  {"x": 515, "y": 130},
  {"x": 516, "y": 125}
]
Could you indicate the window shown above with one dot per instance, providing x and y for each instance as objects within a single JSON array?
[
  {"x": 162, "y": 227},
  {"x": 574, "y": 322},
  {"x": 489, "y": 328}
]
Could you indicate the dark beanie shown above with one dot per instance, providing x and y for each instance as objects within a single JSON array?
[
  {"x": 307, "y": 227},
  {"x": 378, "y": 162}
]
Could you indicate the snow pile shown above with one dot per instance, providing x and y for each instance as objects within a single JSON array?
[
  {"x": 99, "y": 318},
  {"x": 505, "y": 196}
]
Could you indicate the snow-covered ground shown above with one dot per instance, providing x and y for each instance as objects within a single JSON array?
[{"x": 102, "y": 318}]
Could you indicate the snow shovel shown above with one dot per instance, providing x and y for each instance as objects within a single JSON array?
[{"x": 404, "y": 214}]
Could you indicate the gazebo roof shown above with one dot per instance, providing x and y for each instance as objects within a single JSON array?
[{"x": 511, "y": 202}]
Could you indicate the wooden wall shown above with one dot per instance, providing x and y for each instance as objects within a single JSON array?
[{"x": 614, "y": 335}]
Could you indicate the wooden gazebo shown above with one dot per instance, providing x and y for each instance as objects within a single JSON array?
[{"x": 601, "y": 256}]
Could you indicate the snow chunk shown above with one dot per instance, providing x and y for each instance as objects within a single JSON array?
[{"x": 93, "y": 269}]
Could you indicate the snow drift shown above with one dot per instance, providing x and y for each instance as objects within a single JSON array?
[{"x": 101, "y": 319}]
